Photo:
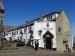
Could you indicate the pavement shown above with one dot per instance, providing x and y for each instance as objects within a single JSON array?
[{"x": 29, "y": 51}]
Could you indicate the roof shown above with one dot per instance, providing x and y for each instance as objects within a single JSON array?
[{"x": 37, "y": 19}]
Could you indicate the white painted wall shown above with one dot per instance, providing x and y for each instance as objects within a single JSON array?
[
  {"x": 42, "y": 26},
  {"x": 37, "y": 26},
  {"x": 25, "y": 36}
]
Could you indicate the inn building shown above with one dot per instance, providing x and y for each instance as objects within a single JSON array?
[{"x": 53, "y": 31}]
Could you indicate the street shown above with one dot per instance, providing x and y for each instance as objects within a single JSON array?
[{"x": 28, "y": 51}]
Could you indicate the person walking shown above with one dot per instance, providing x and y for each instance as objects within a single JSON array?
[
  {"x": 36, "y": 45},
  {"x": 67, "y": 48}
]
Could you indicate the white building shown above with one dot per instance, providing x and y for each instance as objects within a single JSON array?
[{"x": 52, "y": 31}]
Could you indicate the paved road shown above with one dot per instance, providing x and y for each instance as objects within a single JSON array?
[{"x": 28, "y": 51}]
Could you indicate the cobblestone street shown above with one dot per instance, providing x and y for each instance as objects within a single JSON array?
[{"x": 28, "y": 51}]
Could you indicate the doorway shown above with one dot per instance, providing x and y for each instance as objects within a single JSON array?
[
  {"x": 48, "y": 37},
  {"x": 65, "y": 44}
]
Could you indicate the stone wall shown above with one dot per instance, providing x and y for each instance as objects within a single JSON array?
[{"x": 65, "y": 32}]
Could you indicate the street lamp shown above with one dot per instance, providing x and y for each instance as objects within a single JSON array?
[{"x": 1, "y": 21}]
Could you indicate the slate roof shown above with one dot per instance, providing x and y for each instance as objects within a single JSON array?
[{"x": 32, "y": 21}]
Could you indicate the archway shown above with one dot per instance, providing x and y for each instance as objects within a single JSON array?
[{"x": 48, "y": 36}]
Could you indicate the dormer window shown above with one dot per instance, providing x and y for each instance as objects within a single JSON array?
[
  {"x": 48, "y": 18},
  {"x": 53, "y": 16}
]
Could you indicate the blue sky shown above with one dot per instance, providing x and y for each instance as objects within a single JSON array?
[{"x": 17, "y": 11}]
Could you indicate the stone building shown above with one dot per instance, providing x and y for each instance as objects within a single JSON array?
[{"x": 53, "y": 31}]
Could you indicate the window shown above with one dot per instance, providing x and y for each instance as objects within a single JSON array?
[
  {"x": 21, "y": 32},
  {"x": 59, "y": 29},
  {"x": 20, "y": 37},
  {"x": 39, "y": 32},
  {"x": 47, "y": 24},
  {"x": 13, "y": 33},
  {"x": 1, "y": 11},
  {"x": 25, "y": 30},
  {"x": 17, "y": 31},
  {"x": 65, "y": 41}
]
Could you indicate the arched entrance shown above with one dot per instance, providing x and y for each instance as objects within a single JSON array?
[{"x": 48, "y": 40}]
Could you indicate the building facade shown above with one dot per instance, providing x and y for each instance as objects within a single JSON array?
[{"x": 53, "y": 31}]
